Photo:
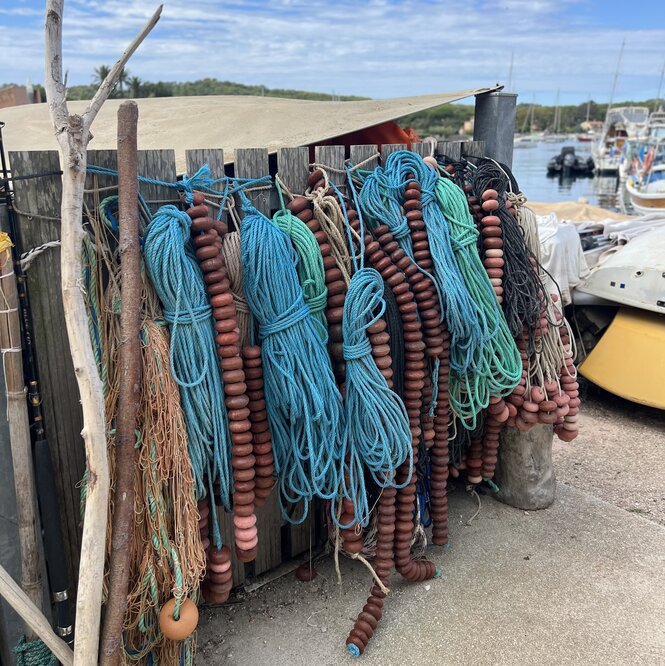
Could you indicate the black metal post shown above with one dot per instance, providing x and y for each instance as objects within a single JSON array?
[{"x": 494, "y": 123}]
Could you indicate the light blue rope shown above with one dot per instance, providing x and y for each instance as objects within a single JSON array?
[
  {"x": 458, "y": 309},
  {"x": 377, "y": 425},
  {"x": 304, "y": 405},
  {"x": 178, "y": 281}
]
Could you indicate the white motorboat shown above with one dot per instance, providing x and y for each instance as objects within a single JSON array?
[
  {"x": 648, "y": 195},
  {"x": 623, "y": 124},
  {"x": 525, "y": 141}
]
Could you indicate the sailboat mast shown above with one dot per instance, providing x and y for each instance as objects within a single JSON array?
[
  {"x": 660, "y": 87},
  {"x": 616, "y": 75}
]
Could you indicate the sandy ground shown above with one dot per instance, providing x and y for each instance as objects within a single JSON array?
[{"x": 618, "y": 455}]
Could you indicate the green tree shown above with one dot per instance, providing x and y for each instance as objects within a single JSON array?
[
  {"x": 123, "y": 80},
  {"x": 103, "y": 71},
  {"x": 100, "y": 74},
  {"x": 135, "y": 86}
]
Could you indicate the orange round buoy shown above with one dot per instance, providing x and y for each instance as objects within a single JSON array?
[{"x": 178, "y": 630}]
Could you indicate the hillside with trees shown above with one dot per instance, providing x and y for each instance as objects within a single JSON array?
[{"x": 442, "y": 121}]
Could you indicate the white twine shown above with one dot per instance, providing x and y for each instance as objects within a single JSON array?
[{"x": 28, "y": 257}]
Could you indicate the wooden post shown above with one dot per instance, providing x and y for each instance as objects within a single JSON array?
[
  {"x": 33, "y": 618},
  {"x": 73, "y": 134},
  {"x": 19, "y": 428},
  {"x": 130, "y": 384}
]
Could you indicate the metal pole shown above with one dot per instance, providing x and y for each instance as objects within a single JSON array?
[{"x": 494, "y": 123}]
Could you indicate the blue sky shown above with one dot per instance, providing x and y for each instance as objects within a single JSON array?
[{"x": 378, "y": 48}]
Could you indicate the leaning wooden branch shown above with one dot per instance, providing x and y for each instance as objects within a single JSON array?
[
  {"x": 33, "y": 617},
  {"x": 73, "y": 134},
  {"x": 129, "y": 389}
]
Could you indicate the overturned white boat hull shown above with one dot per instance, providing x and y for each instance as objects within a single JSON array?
[{"x": 634, "y": 275}]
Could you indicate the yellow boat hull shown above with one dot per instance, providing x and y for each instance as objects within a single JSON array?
[{"x": 629, "y": 360}]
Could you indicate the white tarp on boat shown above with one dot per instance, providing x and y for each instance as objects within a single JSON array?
[{"x": 561, "y": 253}]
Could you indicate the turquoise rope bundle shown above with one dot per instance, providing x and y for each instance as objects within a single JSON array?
[
  {"x": 178, "y": 281},
  {"x": 377, "y": 425},
  {"x": 304, "y": 405},
  {"x": 378, "y": 436},
  {"x": 467, "y": 333}
]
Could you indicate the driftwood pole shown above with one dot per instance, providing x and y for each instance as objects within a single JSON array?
[
  {"x": 34, "y": 618},
  {"x": 73, "y": 134},
  {"x": 129, "y": 389},
  {"x": 19, "y": 427}
]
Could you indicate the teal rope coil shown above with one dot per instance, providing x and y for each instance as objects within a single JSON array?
[
  {"x": 377, "y": 425},
  {"x": 311, "y": 272},
  {"x": 304, "y": 405},
  {"x": 33, "y": 653},
  {"x": 459, "y": 311},
  {"x": 178, "y": 281}
]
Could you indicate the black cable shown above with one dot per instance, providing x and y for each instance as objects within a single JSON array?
[{"x": 394, "y": 328}]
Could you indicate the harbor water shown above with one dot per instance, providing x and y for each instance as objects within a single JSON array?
[{"x": 530, "y": 169}]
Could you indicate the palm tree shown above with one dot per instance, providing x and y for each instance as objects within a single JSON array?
[
  {"x": 101, "y": 73},
  {"x": 123, "y": 80},
  {"x": 135, "y": 86}
]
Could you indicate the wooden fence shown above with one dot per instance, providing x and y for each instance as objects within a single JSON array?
[{"x": 37, "y": 198}]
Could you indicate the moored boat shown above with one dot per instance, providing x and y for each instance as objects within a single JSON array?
[
  {"x": 648, "y": 195},
  {"x": 623, "y": 124}
]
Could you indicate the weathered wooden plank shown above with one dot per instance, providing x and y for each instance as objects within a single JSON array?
[
  {"x": 253, "y": 163},
  {"x": 158, "y": 165},
  {"x": 422, "y": 149},
  {"x": 62, "y": 413},
  {"x": 473, "y": 149},
  {"x": 214, "y": 158},
  {"x": 104, "y": 186},
  {"x": 293, "y": 168},
  {"x": 333, "y": 158},
  {"x": 366, "y": 155},
  {"x": 388, "y": 148},
  {"x": 450, "y": 149}
]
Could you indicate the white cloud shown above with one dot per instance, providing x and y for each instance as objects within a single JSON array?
[{"x": 376, "y": 48}]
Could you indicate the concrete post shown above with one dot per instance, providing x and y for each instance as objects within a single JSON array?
[
  {"x": 494, "y": 123},
  {"x": 525, "y": 472}
]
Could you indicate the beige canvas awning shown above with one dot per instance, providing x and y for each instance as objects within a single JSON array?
[{"x": 226, "y": 121}]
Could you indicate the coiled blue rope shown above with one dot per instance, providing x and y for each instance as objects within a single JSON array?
[
  {"x": 377, "y": 425},
  {"x": 377, "y": 436},
  {"x": 178, "y": 281},
  {"x": 467, "y": 333},
  {"x": 304, "y": 405}
]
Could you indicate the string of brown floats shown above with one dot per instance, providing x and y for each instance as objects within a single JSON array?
[{"x": 243, "y": 396}]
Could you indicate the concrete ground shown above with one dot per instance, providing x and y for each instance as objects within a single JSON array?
[
  {"x": 579, "y": 583},
  {"x": 618, "y": 455}
]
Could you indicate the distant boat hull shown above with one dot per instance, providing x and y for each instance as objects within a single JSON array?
[{"x": 649, "y": 198}]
